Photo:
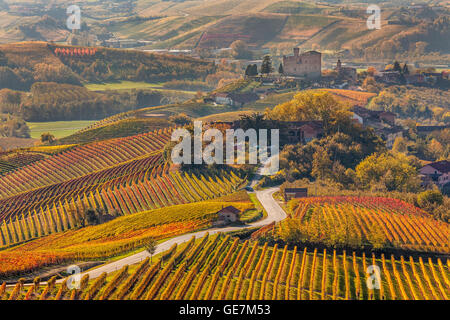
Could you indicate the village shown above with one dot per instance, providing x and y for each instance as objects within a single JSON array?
[{"x": 304, "y": 71}]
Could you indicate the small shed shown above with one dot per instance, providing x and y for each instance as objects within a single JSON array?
[
  {"x": 227, "y": 215},
  {"x": 291, "y": 193}
]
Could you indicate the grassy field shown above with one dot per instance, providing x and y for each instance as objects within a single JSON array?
[
  {"x": 128, "y": 85},
  {"x": 59, "y": 129},
  {"x": 122, "y": 85}
]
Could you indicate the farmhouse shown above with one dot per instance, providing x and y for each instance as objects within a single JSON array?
[
  {"x": 235, "y": 99},
  {"x": 372, "y": 118},
  {"x": 307, "y": 65},
  {"x": 436, "y": 169},
  {"x": 302, "y": 131},
  {"x": 291, "y": 193},
  {"x": 227, "y": 215},
  {"x": 437, "y": 173}
]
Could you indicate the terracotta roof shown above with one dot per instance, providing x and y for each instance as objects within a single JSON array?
[{"x": 230, "y": 209}]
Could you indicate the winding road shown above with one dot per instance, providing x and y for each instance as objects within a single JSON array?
[{"x": 274, "y": 214}]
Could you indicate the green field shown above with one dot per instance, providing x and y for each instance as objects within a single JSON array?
[
  {"x": 128, "y": 85},
  {"x": 122, "y": 85},
  {"x": 59, "y": 129}
]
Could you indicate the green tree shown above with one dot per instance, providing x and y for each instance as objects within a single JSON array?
[
  {"x": 47, "y": 137},
  {"x": 251, "y": 70},
  {"x": 405, "y": 69},
  {"x": 281, "y": 69},
  {"x": 430, "y": 198},
  {"x": 266, "y": 66}
]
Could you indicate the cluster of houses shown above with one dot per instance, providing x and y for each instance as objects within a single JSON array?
[
  {"x": 291, "y": 131},
  {"x": 396, "y": 77},
  {"x": 383, "y": 122},
  {"x": 437, "y": 173}
]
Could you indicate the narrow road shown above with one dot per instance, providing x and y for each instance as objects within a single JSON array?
[
  {"x": 265, "y": 197},
  {"x": 274, "y": 214}
]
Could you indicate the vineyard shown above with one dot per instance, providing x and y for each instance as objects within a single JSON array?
[
  {"x": 80, "y": 161},
  {"x": 115, "y": 237},
  {"x": 143, "y": 190},
  {"x": 365, "y": 221},
  {"x": 10, "y": 161},
  {"x": 221, "y": 267},
  {"x": 352, "y": 97}
]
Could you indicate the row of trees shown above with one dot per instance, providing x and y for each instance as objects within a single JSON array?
[{"x": 266, "y": 67}]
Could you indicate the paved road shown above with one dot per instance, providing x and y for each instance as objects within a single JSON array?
[{"x": 274, "y": 213}]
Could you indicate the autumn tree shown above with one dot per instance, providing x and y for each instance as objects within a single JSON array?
[
  {"x": 312, "y": 105},
  {"x": 150, "y": 246},
  {"x": 322, "y": 164},
  {"x": 180, "y": 119},
  {"x": 239, "y": 50},
  {"x": 394, "y": 171}
]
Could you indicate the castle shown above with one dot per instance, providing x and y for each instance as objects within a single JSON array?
[{"x": 307, "y": 65}]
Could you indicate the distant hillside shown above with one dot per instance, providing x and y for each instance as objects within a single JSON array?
[
  {"x": 22, "y": 64},
  {"x": 276, "y": 24}
]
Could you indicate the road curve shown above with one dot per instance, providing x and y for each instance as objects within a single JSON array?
[{"x": 274, "y": 214}]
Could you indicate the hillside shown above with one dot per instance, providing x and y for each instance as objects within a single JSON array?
[
  {"x": 222, "y": 268},
  {"x": 363, "y": 222},
  {"x": 71, "y": 64},
  {"x": 276, "y": 24}
]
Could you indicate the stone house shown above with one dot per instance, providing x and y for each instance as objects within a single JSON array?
[
  {"x": 307, "y": 65},
  {"x": 227, "y": 215},
  {"x": 302, "y": 131}
]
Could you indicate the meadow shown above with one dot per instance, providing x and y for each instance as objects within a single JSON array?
[{"x": 59, "y": 129}]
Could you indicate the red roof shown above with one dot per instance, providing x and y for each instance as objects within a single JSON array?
[{"x": 230, "y": 209}]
